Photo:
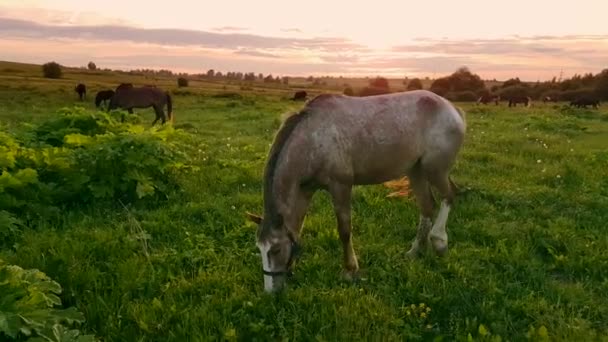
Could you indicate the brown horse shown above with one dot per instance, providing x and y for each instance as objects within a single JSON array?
[
  {"x": 300, "y": 95},
  {"x": 485, "y": 99},
  {"x": 338, "y": 141},
  {"x": 81, "y": 89},
  {"x": 129, "y": 97},
  {"x": 103, "y": 96},
  {"x": 514, "y": 100}
]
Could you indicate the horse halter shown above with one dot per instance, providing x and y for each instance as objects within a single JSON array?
[{"x": 293, "y": 254}]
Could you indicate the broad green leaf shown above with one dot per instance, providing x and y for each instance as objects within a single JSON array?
[{"x": 144, "y": 189}]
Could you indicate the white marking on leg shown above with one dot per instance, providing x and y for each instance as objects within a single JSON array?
[
  {"x": 438, "y": 231},
  {"x": 268, "y": 282}
]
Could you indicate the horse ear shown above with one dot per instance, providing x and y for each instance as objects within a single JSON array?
[{"x": 254, "y": 218}]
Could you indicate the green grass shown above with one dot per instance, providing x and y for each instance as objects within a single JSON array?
[{"x": 528, "y": 238}]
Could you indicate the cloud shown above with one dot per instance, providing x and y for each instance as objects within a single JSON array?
[
  {"x": 229, "y": 29},
  {"x": 255, "y": 53},
  {"x": 291, "y": 29},
  {"x": 170, "y": 37}
]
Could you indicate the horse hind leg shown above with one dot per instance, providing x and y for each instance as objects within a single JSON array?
[
  {"x": 438, "y": 234},
  {"x": 160, "y": 114},
  {"x": 426, "y": 204}
]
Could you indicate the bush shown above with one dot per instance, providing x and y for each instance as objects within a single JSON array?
[
  {"x": 380, "y": 83},
  {"x": 92, "y": 66},
  {"x": 348, "y": 91},
  {"x": 514, "y": 91},
  {"x": 28, "y": 308},
  {"x": 460, "y": 81},
  {"x": 414, "y": 84},
  {"x": 369, "y": 91},
  {"x": 462, "y": 96},
  {"x": 51, "y": 70},
  {"x": 571, "y": 95},
  {"x": 80, "y": 158},
  {"x": 182, "y": 82}
]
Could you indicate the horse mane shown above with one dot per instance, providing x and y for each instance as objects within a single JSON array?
[{"x": 279, "y": 142}]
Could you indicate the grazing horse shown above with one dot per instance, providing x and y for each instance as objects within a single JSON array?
[
  {"x": 81, "y": 89},
  {"x": 514, "y": 100},
  {"x": 338, "y": 141},
  {"x": 583, "y": 102},
  {"x": 130, "y": 97},
  {"x": 103, "y": 96},
  {"x": 300, "y": 95},
  {"x": 549, "y": 99},
  {"x": 485, "y": 99}
]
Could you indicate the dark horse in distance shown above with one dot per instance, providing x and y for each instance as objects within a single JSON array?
[
  {"x": 129, "y": 97},
  {"x": 103, "y": 97},
  {"x": 81, "y": 89}
]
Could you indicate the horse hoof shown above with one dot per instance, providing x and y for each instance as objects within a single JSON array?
[
  {"x": 440, "y": 247},
  {"x": 351, "y": 276},
  {"x": 413, "y": 253}
]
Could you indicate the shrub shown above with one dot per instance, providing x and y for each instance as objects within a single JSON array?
[
  {"x": 92, "y": 66},
  {"x": 461, "y": 80},
  {"x": 514, "y": 91},
  {"x": 380, "y": 83},
  {"x": 349, "y": 91},
  {"x": 29, "y": 308},
  {"x": 369, "y": 91},
  {"x": 51, "y": 70},
  {"x": 182, "y": 82},
  {"x": 414, "y": 84},
  {"x": 571, "y": 95},
  {"x": 81, "y": 157},
  {"x": 462, "y": 96}
]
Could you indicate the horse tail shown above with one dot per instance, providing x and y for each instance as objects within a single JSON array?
[
  {"x": 461, "y": 113},
  {"x": 169, "y": 106}
]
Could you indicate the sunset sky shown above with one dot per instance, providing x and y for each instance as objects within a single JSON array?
[{"x": 532, "y": 39}]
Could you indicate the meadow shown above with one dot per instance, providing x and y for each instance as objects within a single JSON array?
[{"x": 528, "y": 235}]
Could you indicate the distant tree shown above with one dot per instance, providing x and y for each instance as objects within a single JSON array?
[
  {"x": 310, "y": 79},
  {"x": 250, "y": 76},
  {"x": 441, "y": 86},
  {"x": 349, "y": 91},
  {"x": 460, "y": 81},
  {"x": 269, "y": 79},
  {"x": 218, "y": 74},
  {"x": 511, "y": 82},
  {"x": 261, "y": 76},
  {"x": 51, "y": 70},
  {"x": 92, "y": 66},
  {"x": 285, "y": 80},
  {"x": 514, "y": 91},
  {"x": 601, "y": 86},
  {"x": 182, "y": 82},
  {"x": 379, "y": 82},
  {"x": 414, "y": 84},
  {"x": 210, "y": 73}
]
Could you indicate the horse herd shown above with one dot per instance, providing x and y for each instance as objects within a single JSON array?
[
  {"x": 334, "y": 143},
  {"x": 580, "y": 102},
  {"x": 127, "y": 97}
]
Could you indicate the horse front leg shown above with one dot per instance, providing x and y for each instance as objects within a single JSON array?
[{"x": 341, "y": 197}]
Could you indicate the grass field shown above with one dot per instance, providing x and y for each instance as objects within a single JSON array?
[{"x": 528, "y": 238}]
